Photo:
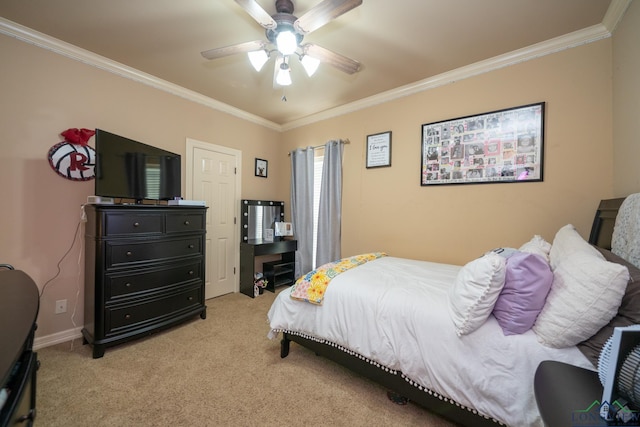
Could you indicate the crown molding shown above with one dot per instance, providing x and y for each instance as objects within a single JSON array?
[
  {"x": 591, "y": 34},
  {"x": 52, "y": 44},
  {"x": 577, "y": 38},
  {"x": 614, "y": 14}
]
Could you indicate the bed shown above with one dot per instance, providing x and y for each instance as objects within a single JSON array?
[{"x": 446, "y": 336}]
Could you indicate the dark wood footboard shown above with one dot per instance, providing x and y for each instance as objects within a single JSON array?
[{"x": 392, "y": 380}]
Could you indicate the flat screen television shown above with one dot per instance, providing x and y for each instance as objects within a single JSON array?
[{"x": 128, "y": 169}]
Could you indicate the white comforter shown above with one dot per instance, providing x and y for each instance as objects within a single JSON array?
[{"x": 394, "y": 311}]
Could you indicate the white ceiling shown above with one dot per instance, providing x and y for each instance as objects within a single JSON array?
[{"x": 399, "y": 43}]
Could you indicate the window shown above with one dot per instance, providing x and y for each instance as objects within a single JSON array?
[
  {"x": 259, "y": 222},
  {"x": 318, "y": 163},
  {"x": 152, "y": 180}
]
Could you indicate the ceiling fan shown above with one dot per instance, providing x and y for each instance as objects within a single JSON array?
[{"x": 285, "y": 33}]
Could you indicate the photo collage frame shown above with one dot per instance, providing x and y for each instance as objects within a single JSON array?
[{"x": 495, "y": 147}]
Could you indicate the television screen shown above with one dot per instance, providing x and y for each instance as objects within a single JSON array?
[{"x": 129, "y": 169}]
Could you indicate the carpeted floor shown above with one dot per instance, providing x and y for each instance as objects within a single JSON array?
[{"x": 222, "y": 371}]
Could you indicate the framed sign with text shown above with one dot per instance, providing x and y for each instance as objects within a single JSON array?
[
  {"x": 379, "y": 150},
  {"x": 499, "y": 146}
]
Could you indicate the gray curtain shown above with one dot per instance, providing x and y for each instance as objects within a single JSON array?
[
  {"x": 330, "y": 210},
  {"x": 302, "y": 207}
]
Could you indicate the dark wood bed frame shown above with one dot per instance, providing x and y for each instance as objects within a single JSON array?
[{"x": 600, "y": 236}]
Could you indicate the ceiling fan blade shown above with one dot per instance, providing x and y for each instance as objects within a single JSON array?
[
  {"x": 233, "y": 49},
  {"x": 327, "y": 56},
  {"x": 322, "y": 13},
  {"x": 258, "y": 13}
]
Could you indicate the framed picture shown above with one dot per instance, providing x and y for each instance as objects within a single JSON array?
[
  {"x": 499, "y": 146},
  {"x": 261, "y": 168},
  {"x": 379, "y": 150}
]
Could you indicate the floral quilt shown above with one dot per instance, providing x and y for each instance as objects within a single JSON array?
[{"x": 312, "y": 286}]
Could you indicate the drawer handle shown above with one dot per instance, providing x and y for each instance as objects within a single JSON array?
[
  {"x": 186, "y": 223},
  {"x": 191, "y": 273},
  {"x": 127, "y": 316},
  {"x": 191, "y": 246},
  {"x": 190, "y": 298},
  {"x": 136, "y": 224},
  {"x": 129, "y": 253},
  {"x": 127, "y": 285}
]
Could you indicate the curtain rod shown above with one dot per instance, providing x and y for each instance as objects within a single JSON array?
[{"x": 344, "y": 141}]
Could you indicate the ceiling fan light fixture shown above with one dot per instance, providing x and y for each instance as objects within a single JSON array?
[
  {"x": 287, "y": 42},
  {"x": 258, "y": 58},
  {"x": 310, "y": 64},
  {"x": 285, "y": 31},
  {"x": 283, "y": 78}
]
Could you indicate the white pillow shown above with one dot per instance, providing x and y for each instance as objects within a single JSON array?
[
  {"x": 475, "y": 291},
  {"x": 538, "y": 246},
  {"x": 585, "y": 295},
  {"x": 566, "y": 242}
]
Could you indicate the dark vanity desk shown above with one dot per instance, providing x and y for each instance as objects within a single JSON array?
[
  {"x": 19, "y": 303},
  {"x": 259, "y": 217},
  {"x": 278, "y": 273}
]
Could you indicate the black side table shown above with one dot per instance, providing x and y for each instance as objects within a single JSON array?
[{"x": 568, "y": 396}]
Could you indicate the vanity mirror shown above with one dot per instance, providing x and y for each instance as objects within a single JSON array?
[{"x": 258, "y": 217}]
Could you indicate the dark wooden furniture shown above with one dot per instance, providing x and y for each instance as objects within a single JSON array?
[
  {"x": 600, "y": 235},
  {"x": 567, "y": 395},
  {"x": 19, "y": 303},
  {"x": 392, "y": 381},
  {"x": 605, "y": 219},
  {"x": 280, "y": 272},
  {"x": 257, "y": 216},
  {"x": 144, "y": 270}
]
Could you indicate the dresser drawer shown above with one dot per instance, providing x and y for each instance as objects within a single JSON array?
[
  {"x": 144, "y": 271},
  {"x": 152, "y": 280},
  {"x": 121, "y": 254},
  {"x": 141, "y": 314},
  {"x": 177, "y": 223},
  {"x": 132, "y": 223}
]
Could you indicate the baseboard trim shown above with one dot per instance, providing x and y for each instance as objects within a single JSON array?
[{"x": 57, "y": 338}]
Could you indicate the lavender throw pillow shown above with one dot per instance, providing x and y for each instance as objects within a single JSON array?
[{"x": 528, "y": 280}]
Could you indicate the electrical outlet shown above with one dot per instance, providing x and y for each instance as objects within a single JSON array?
[{"x": 61, "y": 306}]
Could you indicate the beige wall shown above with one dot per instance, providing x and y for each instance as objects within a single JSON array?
[
  {"x": 386, "y": 209},
  {"x": 626, "y": 102},
  {"x": 44, "y": 94}
]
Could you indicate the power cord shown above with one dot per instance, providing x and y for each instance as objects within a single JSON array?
[{"x": 83, "y": 218}]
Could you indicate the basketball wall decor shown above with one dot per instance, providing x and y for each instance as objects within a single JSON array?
[{"x": 73, "y": 158}]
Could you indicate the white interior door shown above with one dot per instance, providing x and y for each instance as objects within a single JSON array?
[{"x": 213, "y": 174}]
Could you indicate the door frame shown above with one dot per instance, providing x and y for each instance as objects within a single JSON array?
[{"x": 191, "y": 144}]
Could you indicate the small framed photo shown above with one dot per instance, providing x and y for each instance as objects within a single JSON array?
[
  {"x": 261, "y": 168},
  {"x": 379, "y": 150}
]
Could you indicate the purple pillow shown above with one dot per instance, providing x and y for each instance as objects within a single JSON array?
[{"x": 527, "y": 282}]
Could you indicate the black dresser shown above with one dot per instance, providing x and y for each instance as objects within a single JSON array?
[
  {"x": 144, "y": 270},
  {"x": 19, "y": 302}
]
